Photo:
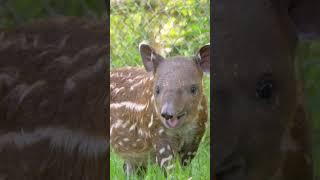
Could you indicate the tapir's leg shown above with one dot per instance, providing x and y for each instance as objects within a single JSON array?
[
  {"x": 131, "y": 169},
  {"x": 165, "y": 154},
  {"x": 189, "y": 150},
  {"x": 188, "y": 153}
]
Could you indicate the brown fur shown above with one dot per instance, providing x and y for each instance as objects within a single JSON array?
[
  {"x": 52, "y": 100},
  {"x": 261, "y": 138}
]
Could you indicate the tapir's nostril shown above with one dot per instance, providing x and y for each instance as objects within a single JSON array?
[{"x": 166, "y": 116}]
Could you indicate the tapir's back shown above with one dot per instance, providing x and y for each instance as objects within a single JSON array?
[
  {"x": 52, "y": 96},
  {"x": 129, "y": 81},
  {"x": 131, "y": 111}
]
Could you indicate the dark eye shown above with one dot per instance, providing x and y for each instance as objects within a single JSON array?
[
  {"x": 193, "y": 89},
  {"x": 157, "y": 90},
  {"x": 264, "y": 88}
]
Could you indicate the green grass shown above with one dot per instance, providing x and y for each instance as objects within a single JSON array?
[{"x": 198, "y": 169}]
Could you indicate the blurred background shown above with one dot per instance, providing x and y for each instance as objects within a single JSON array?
[
  {"x": 309, "y": 58},
  {"x": 15, "y": 12},
  {"x": 172, "y": 27}
]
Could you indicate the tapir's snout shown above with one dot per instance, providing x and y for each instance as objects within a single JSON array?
[
  {"x": 171, "y": 117},
  {"x": 167, "y": 111}
]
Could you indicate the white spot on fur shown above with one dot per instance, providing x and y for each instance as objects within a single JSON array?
[
  {"x": 161, "y": 130},
  {"x": 117, "y": 74},
  {"x": 169, "y": 167},
  {"x": 168, "y": 147},
  {"x": 118, "y": 123},
  {"x": 140, "y": 132},
  {"x": 132, "y": 127},
  {"x": 147, "y": 105},
  {"x": 155, "y": 107},
  {"x": 199, "y": 56},
  {"x": 165, "y": 160},
  {"x": 148, "y": 134},
  {"x": 151, "y": 121},
  {"x": 161, "y": 151},
  {"x": 152, "y": 57},
  {"x": 111, "y": 130},
  {"x": 59, "y": 138},
  {"x": 117, "y": 90},
  {"x": 138, "y": 77},
  {"x": 126, "y": 139},
  {"x": 142, "y": 81},
  {"x": 125, "y": 124},
  {"x": 128, "y": 105}
]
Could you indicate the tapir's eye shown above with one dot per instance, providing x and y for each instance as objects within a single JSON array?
[
  {"x": 265, "y": 88},
  {"x": 157, "y": 90},
  {"x": 194, "y": 89}
]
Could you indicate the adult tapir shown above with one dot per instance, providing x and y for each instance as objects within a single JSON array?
[{"x": 260, "y": 128}]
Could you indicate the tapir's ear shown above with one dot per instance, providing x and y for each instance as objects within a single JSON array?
[
  {"x": 305, "y": 15},
  {"x": 149, "y": 57},
  {"x": 203, "y": 58}
]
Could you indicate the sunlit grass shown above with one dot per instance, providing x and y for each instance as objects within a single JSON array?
[{"x": 198, "y": 169}]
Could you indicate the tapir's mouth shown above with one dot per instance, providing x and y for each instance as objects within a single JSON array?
[{"x": 175, "y": 121}]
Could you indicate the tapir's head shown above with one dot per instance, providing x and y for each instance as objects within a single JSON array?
[
  {"x": 258, "y": 116},
  {"x": 177, "y": 89}
]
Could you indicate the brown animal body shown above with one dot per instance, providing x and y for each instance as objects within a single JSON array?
[
  {"x": 261, "y": 130},
  {"x": 52, "y": 100},
  {"x": 158, "y": 112}
]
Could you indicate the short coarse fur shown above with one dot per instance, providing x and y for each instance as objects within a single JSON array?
[{"x": 52, "y": 100}]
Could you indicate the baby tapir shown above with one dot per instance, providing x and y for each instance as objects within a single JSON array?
[{"x": 160, "y": 111}]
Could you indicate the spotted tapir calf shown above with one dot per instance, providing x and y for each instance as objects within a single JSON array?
[{"x": 160, "y": 111}]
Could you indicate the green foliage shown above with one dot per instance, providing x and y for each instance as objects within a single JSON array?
[
  {"x": 173, "y": 27},
  {"x": 13, "y": 12},
  {"x": 309, "y": 55}
]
